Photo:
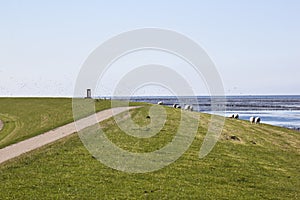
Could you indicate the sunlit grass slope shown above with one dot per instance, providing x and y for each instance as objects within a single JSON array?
[
  {"x": 27, "y": 117},
  {"x": 249, "y": 162}
]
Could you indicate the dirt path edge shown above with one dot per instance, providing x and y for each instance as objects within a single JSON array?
[{"x": 30, "y": 144}]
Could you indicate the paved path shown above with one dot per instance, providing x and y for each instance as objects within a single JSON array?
[
  {"x": 30, "y": 144},
  {"x": 1, "y": 125}
]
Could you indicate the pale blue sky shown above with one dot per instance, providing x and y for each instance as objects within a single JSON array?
[{"x": 254, "y": 44}]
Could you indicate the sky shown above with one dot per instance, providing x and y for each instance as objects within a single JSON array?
[{"x": 255, "y": 45}]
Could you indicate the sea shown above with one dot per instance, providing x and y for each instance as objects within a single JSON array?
[{"x": 279, "y": 110}]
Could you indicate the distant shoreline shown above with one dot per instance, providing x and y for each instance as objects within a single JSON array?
[
  {"x": 277, "y": 110},
  {"x": 282, "y": 110}
]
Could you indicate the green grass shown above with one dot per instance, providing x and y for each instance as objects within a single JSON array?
[
  {"x": 262, "y": 164},
  {"x": 27, "y": 117}
]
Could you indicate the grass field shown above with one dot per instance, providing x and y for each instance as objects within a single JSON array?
[
  {"x": 260, "y": 162},
  {"x": 27, "y": 117}
]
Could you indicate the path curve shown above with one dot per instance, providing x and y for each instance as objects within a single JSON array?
[
  {"x": 30, "y": 144},
  {"x": 1, "y": 125}
]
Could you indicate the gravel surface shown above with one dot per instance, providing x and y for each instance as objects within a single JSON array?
[
  {"x": 1, "y": 125},
  {"x": 30, "y": 144}
]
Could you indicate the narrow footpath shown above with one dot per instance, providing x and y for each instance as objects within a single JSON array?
[{"x": 30, "y": 144}]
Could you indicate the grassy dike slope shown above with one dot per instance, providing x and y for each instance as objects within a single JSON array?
[
  {"x": 263, "y": 163},
  {"x": 27, "y": 117}
]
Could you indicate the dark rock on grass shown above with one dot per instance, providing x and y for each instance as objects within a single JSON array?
[
  {"x": 151, "y": 191},
  {"x": 253, "y": 142},
  {"x": 233, "y": 137}
]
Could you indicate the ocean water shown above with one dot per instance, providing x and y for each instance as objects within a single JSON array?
[{"x": 275, "y": 110}]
